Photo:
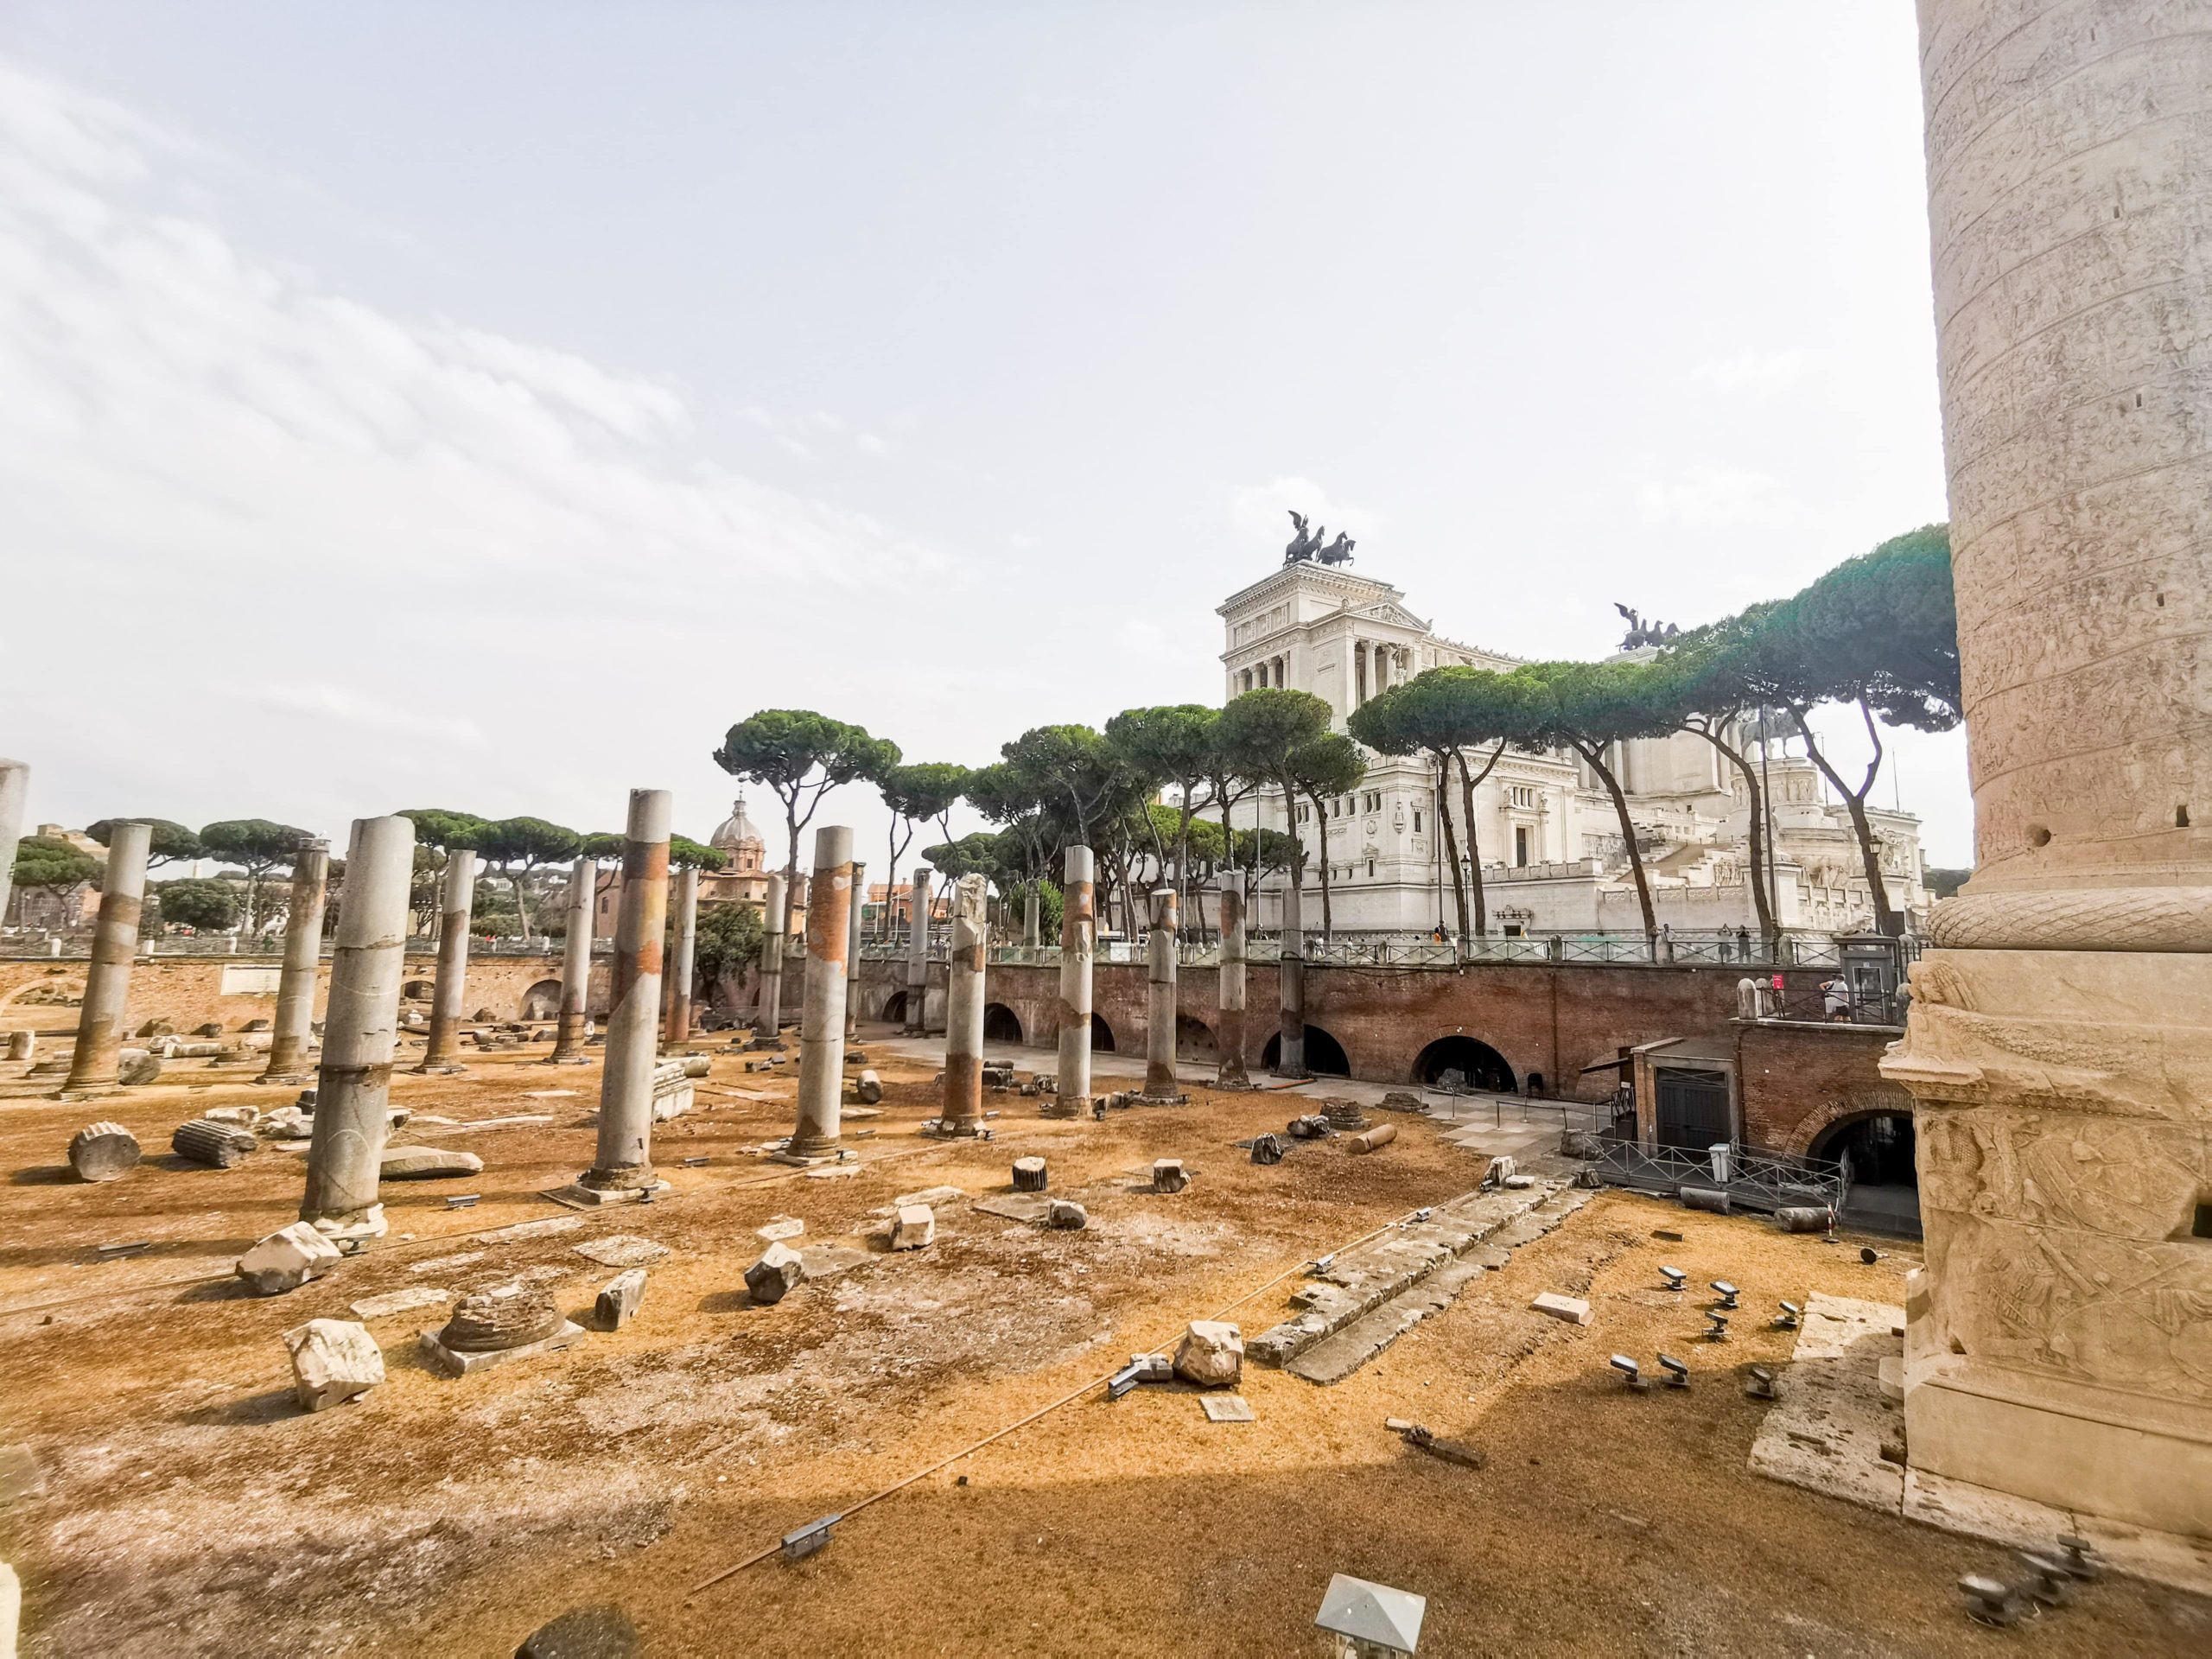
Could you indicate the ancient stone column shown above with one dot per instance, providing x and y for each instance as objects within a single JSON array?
[
  {"x": 107, "y": 977},
  {"x": 686, "y": 916},
  {"x": 623, "y": 1166},
  {"x": 456, "y": 897},
  {"x": 1159, "y": 966},
  {"x": 1078, "y": 902},
  {"x": 856, "y": 909},
  {"x": 576, "y": 966},
  {"x": 918, "y": 958},
  {"x": 1290, "y": 982},
  {"x": 293, "y": 1029},
  {"x": 964, "y": 1010},
  {"x": 768, "y": 1021},
  {"x": 1230, "y": 1019},
  {"x": 1032, "y": 912},
  {"x": 360, "y": 1032},
  {"x": 2060, "y": 1042},
  {"x": 15, "y": 793},
  {"x": 822, "y": 1015}
]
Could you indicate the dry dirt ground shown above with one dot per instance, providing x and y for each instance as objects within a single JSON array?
[{"x": 190, "y": 1507}]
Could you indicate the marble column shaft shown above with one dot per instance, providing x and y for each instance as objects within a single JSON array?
[
  {"x": 685, "y": 906},
  {"x": 1161, "y": 960},
  {"x": 1230, "y": 1019},
  {"x": 963, "y": 1012},
  {"x": 1078, "y": 942},
  {"x": 770, "y": 1018},
  {"x": 918, "y": 958},
  {"x": 115, "y": 943},
  {"x": 361, "y": 1030},
  {"x": 456, "y": 900},
  {"x": 624, "y": 1158},
  {"x": 575, "y": 963},
  {"x": 1290, "y": 982},
  {"x": 855, "y": 910},
  {"x": 293, "y": 1029},
  {"x": 15, "y": 794},
  {"x": 822, "y": 1012}
]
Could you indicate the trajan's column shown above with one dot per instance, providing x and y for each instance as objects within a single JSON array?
[{"x": 2059, "y": 1341}]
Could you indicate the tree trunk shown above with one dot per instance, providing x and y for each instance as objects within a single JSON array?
[
  {"x": 1887, "y": 920},
  {"x": 1449, "y": 842},
  {"x": 1474, "y": 842},
  {"x": 1627, "y": 833},
  {"x": 1320, "y": 817},
  {"x": 790, "y": 864},
  {"x": 1762, "y": 854}
]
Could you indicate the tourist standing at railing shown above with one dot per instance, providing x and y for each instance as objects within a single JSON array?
[{"x": 1836, "y": 999}]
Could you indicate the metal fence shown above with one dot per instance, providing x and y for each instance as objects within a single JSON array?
[{"x": 1753, "y": 1179}]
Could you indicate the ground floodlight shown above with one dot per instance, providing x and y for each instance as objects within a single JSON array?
[
  {"x": 1869, "y": 1254},
  {"x": 1676, "y": 1277},
  {"x": 1716, "y": 1329},
  {"x": 1761, "y": 1386},
  {"x": 1678, "y": 1371},
  {"x": 1631, "y": 1373},
  {"x": 798, "y": 1546},
  {"x": 2080, "y": 1556},
  {"x": 1787, "y": 1320},
  {"x": 1123, "y": 1381},
  {"x": 1321, "y": 1263},
  {"x": 1728, "y": 1292},
  {"x": 2048, "y": 1580},
  {"x": 1991, "y": 1601}
]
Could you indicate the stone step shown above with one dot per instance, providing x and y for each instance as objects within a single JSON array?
[
  {"x": 1362, "y": 1278},
  {"x": 1338, "y": 1355}
]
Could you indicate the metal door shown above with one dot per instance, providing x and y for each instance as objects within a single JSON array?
[{"x": 1693, "y": 1109}]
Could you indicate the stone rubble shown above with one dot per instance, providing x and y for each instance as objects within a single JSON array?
[
  {"x": 775, "y": 1274},
  {"x": 332, "y": 1361},
  {"x": 1210, "y": 1354},
  {"x": 288, "y": 1259},
  {"x": 913, "y": 1227},
  {"x": 619, "y": 1300}
]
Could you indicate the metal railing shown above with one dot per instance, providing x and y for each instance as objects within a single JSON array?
[{"x": 1753, "y": 1179}]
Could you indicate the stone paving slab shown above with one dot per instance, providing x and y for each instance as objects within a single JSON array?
[
  {"x": 1362, "y": 1278},
  {"x": 1338, "y": 1355}
]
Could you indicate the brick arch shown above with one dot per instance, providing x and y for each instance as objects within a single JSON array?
[{"x": 1878, "y": 1100}]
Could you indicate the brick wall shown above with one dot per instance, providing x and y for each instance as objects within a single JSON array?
[{"x": 1797, "y": 1081}]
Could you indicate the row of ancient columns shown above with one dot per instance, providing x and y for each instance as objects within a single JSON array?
[{"x": 1274, "y": 671}]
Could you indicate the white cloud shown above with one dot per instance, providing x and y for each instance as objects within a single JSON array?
[
  {"x": 1758, "y": 373},
  {"x": 380, "y": 536},
  {"x": 1711, "y": 498}
]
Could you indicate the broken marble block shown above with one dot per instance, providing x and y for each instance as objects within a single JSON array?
[
  {"x": 1573, "y": 1309},
  {"x": 218, "y": 1146},
  {"x": 1066, "y": 1216},
  {"x": 428, "y": 1163},
  {"x": 674, "y": 1092},
  {"x": 287, "y": 1258},
  {"x": 777, "y": 1272},
  {"x": 287, "y": 1124},
  {"x": 1168, "y": 1175},
  {"x": 135, "y": 1067},
  {"x": 868, "y": 1089},
  {"x": 332, "y": 1361},
  {"x": 1211, "y": 1354},
  {"x": 778, "y": 1228},
  {"x": 1501, "y": 1169},
  {"x": 102, "y": 1150},
  {"x": 621, "y": 1298},
  {"x": 1029, "y": 1175},
  {"x": 912, "y": 1227}
]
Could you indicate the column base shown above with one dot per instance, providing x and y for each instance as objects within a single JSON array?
[
  {"x": 566, "y": 1059},
  {"x": 87, "y": 1091},
  {"x": 351, "y": 1233},
  {"x": 955, "y": 1128},
  {"x": 1065, "y": 1106},
  {"x": 580, "y": 1195},
  {"x": 287, "y": 1079},
  {"x": 1161, "y": 1100},
  {"x": 442, "y": 1068}
]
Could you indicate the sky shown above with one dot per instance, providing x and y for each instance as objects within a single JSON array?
[{"x": 485, "y": 406}]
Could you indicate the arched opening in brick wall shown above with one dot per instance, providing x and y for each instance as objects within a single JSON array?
[
  {"x": 1102, "y": 1036},
  {"x": 416, "y": 990},
  {"x": 894, "y": 1009},
  {"x": 1460, "y": 1062},
  {"x": 1001, "y": 1024},
  {"x": 541, "y": 1001},
  {"x": 1876, "y": 1148},
  {"x": 1325, "y": 1055},
  {"x": 1194, "y": 1041}
]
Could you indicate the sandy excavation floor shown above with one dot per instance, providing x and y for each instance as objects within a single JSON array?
[{"x": 191, "y": 1508}]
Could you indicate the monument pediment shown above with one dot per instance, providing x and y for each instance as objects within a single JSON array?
[{"x": 1395, "y": 615}]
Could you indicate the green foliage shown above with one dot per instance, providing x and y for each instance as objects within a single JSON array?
[
  {"x": 48, "y": 864},
  {"x": 255, "y": 844},
  {"x": 446, "y": 832},
  {"x": 509, "y": 844},
  {"x": 1173, "y": 743},
  {"x": 975, "y": 854},
  {"x": 1263, "y": 733},
  {"x": 923, "y": 790},
  {"x": 686, "y": 853},
  {"x": 728, "y": 938},
  {"x": 802, "y": 755},
  {"x": 603, "y": 847},
  {"x": 1330, "y": 765},
  {"x": 171, "y": 842},
  {"x": 1945, "y": 882},
  {"x": 196, "y": 902}
]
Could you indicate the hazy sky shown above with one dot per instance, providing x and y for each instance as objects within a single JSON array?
[{"x": 485, "y": 405}]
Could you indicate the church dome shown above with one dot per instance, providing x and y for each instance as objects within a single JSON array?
[{"x": 735, "y": 830}]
